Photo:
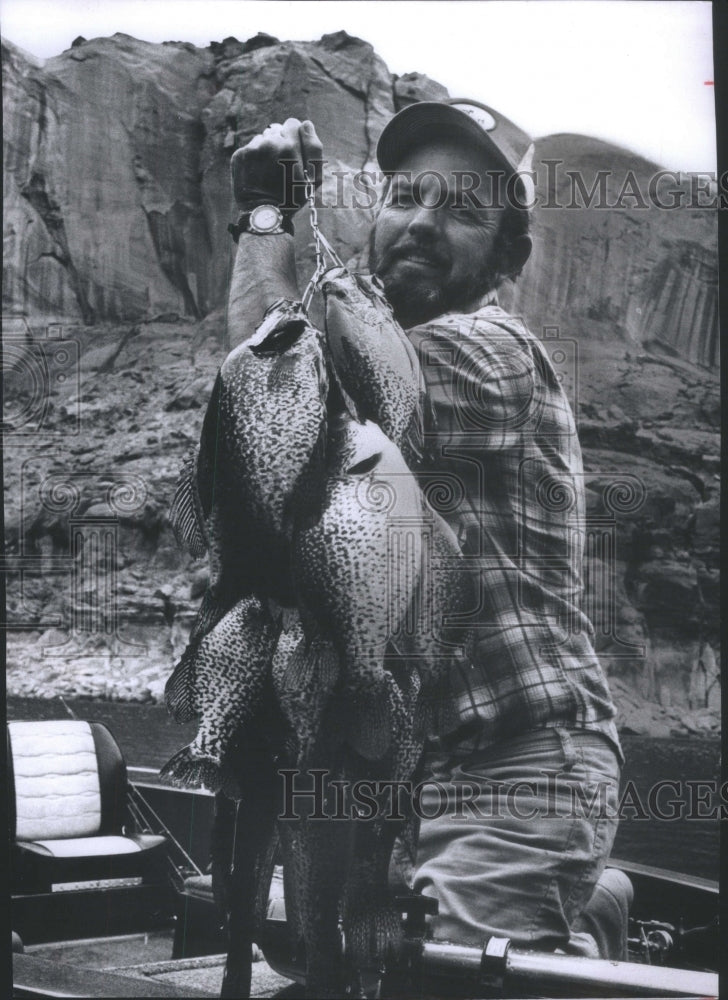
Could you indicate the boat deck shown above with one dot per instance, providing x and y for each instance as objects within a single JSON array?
[{"x": 131, "y": 965}]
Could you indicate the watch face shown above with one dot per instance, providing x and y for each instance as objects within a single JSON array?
[{"x": 265, "y": 218}]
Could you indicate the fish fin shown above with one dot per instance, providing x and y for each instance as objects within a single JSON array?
[
  {"x": 179, "y": 691},
  {"x": 305, "y": 505},
  {"x": 366, "y": 723},
  {"x": 188, "y": 769},
  {"x": 210, "y": 612},
  {"x": 303, "y": 684},
  {"x": 207, "y": 455},
  {"x": 434, "y": 713},
  {"x": 186, "y": 514},
  {"x": 339, "y": 399},
  {"x": 315, "y": 663},
  {"x": 414, "y": 438},
  {"x": 424, "y": 721}
]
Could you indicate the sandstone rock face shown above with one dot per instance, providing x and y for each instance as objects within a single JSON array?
[
  {"x": 117, "y": 202},
  {"x": 103, "y": 184},
  {"x": 612, "y": 258}
]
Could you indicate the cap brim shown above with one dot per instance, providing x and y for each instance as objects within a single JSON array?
[{"x": 426, "y": 120}]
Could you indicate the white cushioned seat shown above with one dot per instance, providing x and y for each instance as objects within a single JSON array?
[{"x": 68, "y": 802}]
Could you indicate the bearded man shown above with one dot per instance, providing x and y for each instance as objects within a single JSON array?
[{"x": 531, "y": 731}]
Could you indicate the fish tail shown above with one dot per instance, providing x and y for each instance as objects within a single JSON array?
[
  {"x": 434, "y": 713},
  {"x": 190, "y": 769},
  {"x": 319, "y": 664},
  {"x": 372, "y": 924}
]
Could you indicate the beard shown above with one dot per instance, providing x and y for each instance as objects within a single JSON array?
[{"x": 416, "y": 298}]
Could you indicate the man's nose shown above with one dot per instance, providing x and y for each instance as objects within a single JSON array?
[{"x": 424, "y": 220}]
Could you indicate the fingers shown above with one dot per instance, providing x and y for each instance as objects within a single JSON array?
[
  {"x": 293, "y": 138},
  {"x": 257, "y": 166},
  {"x": 311, "y": 151}
]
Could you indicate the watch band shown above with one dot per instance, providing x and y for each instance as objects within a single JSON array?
[{"x": 241, "y": 226}]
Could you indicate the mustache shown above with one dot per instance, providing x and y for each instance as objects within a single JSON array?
[{"x": 409, "y": 249}]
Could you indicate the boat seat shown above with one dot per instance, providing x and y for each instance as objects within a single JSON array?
[{"x": 69, "y": 817}]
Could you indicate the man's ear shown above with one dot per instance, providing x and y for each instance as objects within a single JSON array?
[{"x": 518, "y": 252}]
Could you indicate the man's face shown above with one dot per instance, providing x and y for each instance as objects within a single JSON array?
[{"x": 434, "y": 260}]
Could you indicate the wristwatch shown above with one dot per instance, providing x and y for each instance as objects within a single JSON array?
[{"x": 263, "y": 220}]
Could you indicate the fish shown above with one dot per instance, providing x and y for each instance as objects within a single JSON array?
[
  {"x": 264, "y": 426},
  {"x": 356, "y": 565},
  {"x": 383, "y": 577},
  {"x": 231, "y": 665},
  {"x": 304, "y": 675},
  {"x": 373, "y": 358},
  {"x": 302, "y": 495},
  {"x": 244, "y": 840},
  {"x": 372, "y": 923},
  {"x": 316, "y": 856}
]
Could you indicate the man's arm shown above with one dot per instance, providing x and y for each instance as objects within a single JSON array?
[
  {"x": 264, "y": 270},
  {"x": 265, "y": 266}
]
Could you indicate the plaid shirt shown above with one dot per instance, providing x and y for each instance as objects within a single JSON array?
[{"x": 503, "y": 467}]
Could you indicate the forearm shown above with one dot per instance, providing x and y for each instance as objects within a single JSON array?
[{"x": 264, "y": 271}]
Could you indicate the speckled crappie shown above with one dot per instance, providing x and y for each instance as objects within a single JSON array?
[
  {"x": 231, "y": 665},
  {"x": 372, "y": 923},
  {"x": 264, "y": 425},
  {"x": 373, "y": 358},
  {"x": 356, "y": 565}
]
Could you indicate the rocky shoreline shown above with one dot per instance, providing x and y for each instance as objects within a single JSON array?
[{"x": 103, "y": 680}]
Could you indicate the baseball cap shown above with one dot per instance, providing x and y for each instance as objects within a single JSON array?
[{"x": 482, "y": 126}]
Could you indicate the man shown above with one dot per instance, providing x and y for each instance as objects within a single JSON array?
[{"x": 532, "y": 735}]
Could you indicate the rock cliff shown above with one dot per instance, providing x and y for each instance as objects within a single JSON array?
[{"x": 116, "y": 206}]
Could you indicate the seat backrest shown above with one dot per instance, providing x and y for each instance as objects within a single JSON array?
[{"x": 67, "y": 779}]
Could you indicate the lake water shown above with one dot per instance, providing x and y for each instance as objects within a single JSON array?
[{"x": 148, "y": 737}]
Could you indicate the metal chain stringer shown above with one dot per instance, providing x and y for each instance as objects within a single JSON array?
[{"x": 322, "y": 246}]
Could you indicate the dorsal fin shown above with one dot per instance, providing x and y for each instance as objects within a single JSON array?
[
  {"x": 209, "y": 445},
  {"x": 185, "y": 513}
]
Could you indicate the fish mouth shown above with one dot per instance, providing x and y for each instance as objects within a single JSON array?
[
  {"x": 280, "y": 339},
  {"x": 366, "y": 466}
]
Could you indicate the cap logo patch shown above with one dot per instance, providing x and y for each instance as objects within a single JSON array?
[{"x": 485, "y": 120}]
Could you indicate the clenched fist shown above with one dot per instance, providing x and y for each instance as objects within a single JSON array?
[{"x": 269, "y": 169}]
